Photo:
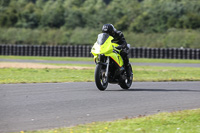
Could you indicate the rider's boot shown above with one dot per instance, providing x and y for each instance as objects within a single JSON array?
[
  {"x": 127, "y": 67},
  {"x": 126, "y": 63},
  {"x": 128, "y": 71}
]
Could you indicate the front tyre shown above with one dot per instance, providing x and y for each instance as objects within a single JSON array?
[
  {"x": 100, "y": 77},
  {"x": 126, "y": 84}
]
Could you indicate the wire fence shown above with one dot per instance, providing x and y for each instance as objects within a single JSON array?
[{"x": 84, "y": 51}]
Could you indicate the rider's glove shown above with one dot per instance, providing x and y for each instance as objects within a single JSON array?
[{"x": 119, "y": 47}]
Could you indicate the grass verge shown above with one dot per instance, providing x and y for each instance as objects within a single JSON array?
[
  {"x": 186, "y": 121},
  {"x": 28, "y": 75},
  {"x": 135, "y": 60},
  {"x": 141, "y": 73}
]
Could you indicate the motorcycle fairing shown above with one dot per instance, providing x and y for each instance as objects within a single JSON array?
[
  {"x": 103, "y": 45},
  {"x": 102, "y": 48},
  {"x": 117, "y": 58}
]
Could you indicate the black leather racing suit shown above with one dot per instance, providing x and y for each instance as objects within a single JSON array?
[{"x": 119, "y": 39}]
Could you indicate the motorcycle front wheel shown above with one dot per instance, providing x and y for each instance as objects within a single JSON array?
[{"x": 100, "y": 78}]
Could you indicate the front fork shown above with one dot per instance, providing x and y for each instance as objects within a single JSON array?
[
  {"x": 107, "y": 67},
  {"x": 100, "y": 59}
]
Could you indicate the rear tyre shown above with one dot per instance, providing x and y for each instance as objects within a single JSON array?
[
  {"x": 100, "y": 78},
  {"x": 126, "y": 83}
]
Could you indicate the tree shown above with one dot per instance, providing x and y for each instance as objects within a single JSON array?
[
  {"x": 53, "y": 14},
  {"x": 161, "y": 15},
  {"x": 4, "y": 3},
  {"x": 8, "y": 15},
  {"x": 29, "y": 17}
]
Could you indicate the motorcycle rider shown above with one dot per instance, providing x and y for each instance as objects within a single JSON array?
[{"x": 119, "y": 39}]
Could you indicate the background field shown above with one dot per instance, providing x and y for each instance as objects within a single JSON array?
[{"x": 23, "y": 73}]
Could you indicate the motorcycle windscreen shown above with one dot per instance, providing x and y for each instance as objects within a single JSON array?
[{"x": 102, "y": 38}]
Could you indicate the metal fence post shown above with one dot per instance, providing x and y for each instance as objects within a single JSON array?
[
  {"x": 42, "y": 50},
  {"x": 131, "y": 53},
  {"x": 161, "y": 53},
  {"x": 155, "y": 50},
  {"x": 90, "y": 47},
  {"x": 198, "y": 54},
  {"x": 188, "y": 53},
  {"x": 23, "y": 50},
  {"x": 64, "y": 50},
  {"x": 50, "y": 50},
  {"x": 87, "y": 51},
  {"x": 1, "y": 53},
  {"x": 60, "y": 48},
  {"x": 136, "y": 52},
  {"x": 158, "y": 53},
  {"x": 183, "y": 54},
  {"x": 3, "y": 49},
  {"x": 6, "y": 50}
]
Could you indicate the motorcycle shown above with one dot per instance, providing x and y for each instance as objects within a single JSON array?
[{"x": 109, "y": 64}]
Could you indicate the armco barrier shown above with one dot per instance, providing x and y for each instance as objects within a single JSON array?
[{"x": 84, "y": 51}]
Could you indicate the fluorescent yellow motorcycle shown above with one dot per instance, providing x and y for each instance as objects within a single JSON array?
[{"x": 109, "y": 64}]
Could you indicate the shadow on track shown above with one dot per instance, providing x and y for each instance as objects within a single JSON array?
[{"x": 178, "y": 90}]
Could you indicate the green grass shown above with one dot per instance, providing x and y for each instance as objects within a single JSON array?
[
  {"x": 186, "y": 121},
  {"x": 18, "y": 75},
  {"x": 141, "y": 73},
  {"x": 136, "y": 60},
  {"x": 150, "y": 73}
]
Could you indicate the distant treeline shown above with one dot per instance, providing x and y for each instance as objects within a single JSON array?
[{"x": 130, "y": 16}]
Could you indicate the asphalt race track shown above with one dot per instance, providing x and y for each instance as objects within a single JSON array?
[{"x": 50, "y": 105}]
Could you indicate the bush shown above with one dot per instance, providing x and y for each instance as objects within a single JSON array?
[{"x": 173, "y": 38}]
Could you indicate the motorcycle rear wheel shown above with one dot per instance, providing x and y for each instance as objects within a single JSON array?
[{"x": 100, "y": 78}]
